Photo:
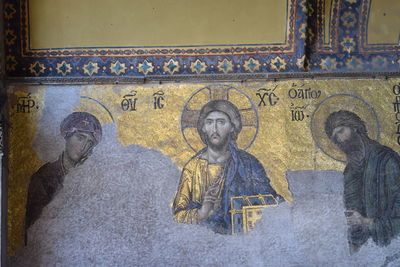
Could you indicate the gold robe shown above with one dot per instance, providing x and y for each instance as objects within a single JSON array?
[{"x": 196, "y": 176}]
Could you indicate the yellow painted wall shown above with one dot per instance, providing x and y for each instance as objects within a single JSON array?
[
  {"x": 384, "y": 22},
  {"x": 114, "y": 23}
]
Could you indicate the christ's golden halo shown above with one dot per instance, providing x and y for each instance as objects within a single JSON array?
[{"x": 242, "y": 101}]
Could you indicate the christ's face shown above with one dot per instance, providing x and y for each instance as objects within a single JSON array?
[
  {"x": 79, "y": 146},
  {"x": 217, "y": 128}
]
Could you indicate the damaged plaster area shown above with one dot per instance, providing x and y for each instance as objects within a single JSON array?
[{"x": 114, "y": 210}]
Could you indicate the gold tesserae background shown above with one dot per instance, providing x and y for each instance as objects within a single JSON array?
[{"x": 282, "y": 143}]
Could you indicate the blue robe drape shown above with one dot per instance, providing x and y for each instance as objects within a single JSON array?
[
  {"x": 244, "y": 176},
  {"x": 374, "y": 191}
]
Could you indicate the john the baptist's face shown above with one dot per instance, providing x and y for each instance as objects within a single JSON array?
[
  {"x": 217, "y": 128},
  {"x": 341, "y": 134},
  {"x": 79, "y": 145},
  {"x": 347, "y": 139}
]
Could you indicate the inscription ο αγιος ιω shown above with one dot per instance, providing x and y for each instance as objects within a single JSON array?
[
  {"x": 129, "y": 101},
  {"x": 296, "y": 92},
  {"x": 25, "y": 104},
  {"x": 396, "y": 107},
  {"x": 267, "y": 97},
  {"x": 297, "y": 112},
  {"x": 159, "y": 100}
]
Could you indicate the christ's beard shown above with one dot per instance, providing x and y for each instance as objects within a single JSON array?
[{"x": 221, "y": 145}]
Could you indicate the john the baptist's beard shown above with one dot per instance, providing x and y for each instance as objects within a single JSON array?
[{"x": 352, "y": 147}]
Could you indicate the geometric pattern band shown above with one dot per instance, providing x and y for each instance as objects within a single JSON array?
[{"x": 306, "y": 49}]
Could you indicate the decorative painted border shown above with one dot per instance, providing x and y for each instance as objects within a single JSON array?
[
  {"x": 304, "y": 51},
  {"x": 320, "y": 45},
  {"x": 352, "y": 53},
  {"x": 146, "y": 62}
]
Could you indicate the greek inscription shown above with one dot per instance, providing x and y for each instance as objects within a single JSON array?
[
  {"x": 304, "y": 93},
  {"x": 396, "y": 108},
  {"x": 159, "y": 100},
  {"x": 267, "y": 97},
  {"x": 297, "y": 112},
  {"x": 129, "y": 101},
  {"x": 297, "y": 115},
  {"x": 25, "y": 104}
]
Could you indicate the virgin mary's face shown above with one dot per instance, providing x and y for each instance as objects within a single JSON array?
[{"x": 79, "y": 146}]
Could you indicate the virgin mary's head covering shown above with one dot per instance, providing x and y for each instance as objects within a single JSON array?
[
  {"x": 344, "y": 118},
  {"x": 223, "y": 106},
  {"x": 81, "y": 121}
]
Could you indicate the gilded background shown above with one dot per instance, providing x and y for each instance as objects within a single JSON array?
[{"x": 284, "y": 141}]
